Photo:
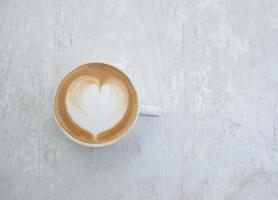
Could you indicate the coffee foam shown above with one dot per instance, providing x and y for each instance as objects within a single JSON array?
[
  {"x": 95, "y": 103},
  {"x": 94, "y": 106}
]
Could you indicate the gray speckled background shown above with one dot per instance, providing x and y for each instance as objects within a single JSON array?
[{"x": 212, "y": 65}]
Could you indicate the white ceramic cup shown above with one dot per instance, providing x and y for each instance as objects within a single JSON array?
[{"x": 143, "y": 110}]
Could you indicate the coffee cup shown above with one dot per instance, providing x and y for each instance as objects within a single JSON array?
[{"x": 96, "y": 105}]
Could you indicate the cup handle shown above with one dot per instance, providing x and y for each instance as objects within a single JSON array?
[{"x": 151, "y": 111}]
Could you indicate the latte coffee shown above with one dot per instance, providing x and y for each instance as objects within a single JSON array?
[{"x": 95, "y": 103}]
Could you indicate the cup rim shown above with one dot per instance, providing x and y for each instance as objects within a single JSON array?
[{"x": 94, "y": 144}]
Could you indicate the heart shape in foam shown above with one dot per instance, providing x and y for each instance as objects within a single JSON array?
[{"x": 96, "y": 107}]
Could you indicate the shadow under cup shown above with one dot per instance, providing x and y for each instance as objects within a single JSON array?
[{"x": 101, "y": 73}]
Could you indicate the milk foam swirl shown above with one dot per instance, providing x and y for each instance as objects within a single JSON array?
[{"x": 95, "y": 105}]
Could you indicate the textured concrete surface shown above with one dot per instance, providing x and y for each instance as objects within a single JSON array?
[{"x": 211, "y": 65}]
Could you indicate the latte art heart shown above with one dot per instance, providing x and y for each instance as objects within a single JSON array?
[{"x": 94, "y": 106}]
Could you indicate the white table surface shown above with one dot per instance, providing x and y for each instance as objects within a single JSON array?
[{"x": 211, "y": 65}]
